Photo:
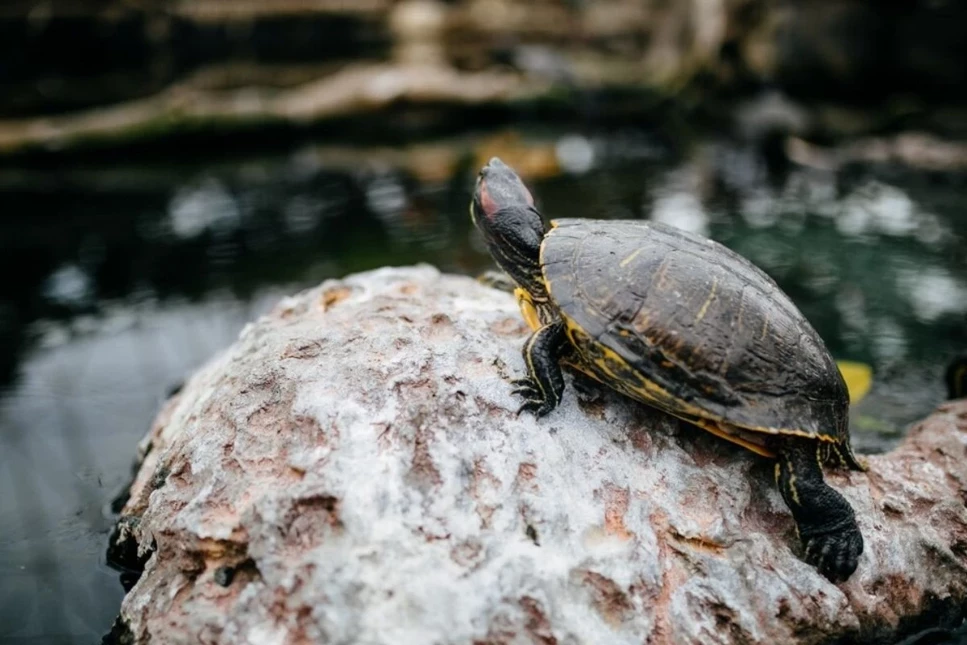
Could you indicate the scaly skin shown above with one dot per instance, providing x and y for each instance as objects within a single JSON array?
[
  {"x": 543, "y": 386},
  {"x": 824, "y": 519},
  {"x": 503, "y": 210}
]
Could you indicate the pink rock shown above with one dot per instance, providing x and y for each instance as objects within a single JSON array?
[{"x": 352, "y": 471}]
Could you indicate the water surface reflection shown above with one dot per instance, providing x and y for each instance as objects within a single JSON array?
[{"x": 129, "y": 277}]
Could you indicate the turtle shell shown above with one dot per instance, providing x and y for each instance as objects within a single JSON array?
[{"x": 687, "y": 325}]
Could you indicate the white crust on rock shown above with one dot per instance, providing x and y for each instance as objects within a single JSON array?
[{"x": 356, "y": 461}]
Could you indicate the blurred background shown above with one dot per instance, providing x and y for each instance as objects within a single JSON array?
[{"x": 170, "y": 168}]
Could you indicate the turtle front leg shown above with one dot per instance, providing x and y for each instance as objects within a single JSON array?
[
  {"x": 825, "y": 521},
  {"x": 544, "y": 384}
]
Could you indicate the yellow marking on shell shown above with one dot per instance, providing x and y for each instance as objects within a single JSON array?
[
  {"x": 649, "y": 392},
  {"x": 659, "y": 280},
  {"x": 641, "y": 322},
  {"x": 778, "y": 474},
  {"x": 527, "y": 308},
  {"x": 740, "y": 313},
  {"x": 583, "y": 369},
  {"x": 708, "y": 301},
  {"x": 719, "y": 431},
  {"x": 765, "y": 328},
  {"x": 736, "y": 332},
  {"x": 628, "y": 260}
]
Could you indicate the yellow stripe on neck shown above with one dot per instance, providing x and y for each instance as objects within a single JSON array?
[{"x": 527, "y": 308}]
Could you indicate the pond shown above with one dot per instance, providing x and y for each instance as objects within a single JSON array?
[{"x": 126, "y": 276}]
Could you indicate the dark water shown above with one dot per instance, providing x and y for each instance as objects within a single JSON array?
[{"x": 122, "y": 278}]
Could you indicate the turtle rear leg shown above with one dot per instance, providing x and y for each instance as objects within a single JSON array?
[
  {"x": 845, "y": 456},
  {"x": 544, "y": 384},
  {"x": 824, "y": 519}
]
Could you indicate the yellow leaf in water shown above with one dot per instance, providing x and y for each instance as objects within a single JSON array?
[{"x": 858, "y": 377}]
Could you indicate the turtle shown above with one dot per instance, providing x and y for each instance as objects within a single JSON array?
[
  {"x": 956, "y": 378},
  {"x": 683, "y": 324}
]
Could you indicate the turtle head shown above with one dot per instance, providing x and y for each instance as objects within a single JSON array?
[
  {"x": 503, "y": 211},
  {"x": 498, "y": 189},
  {"x": 956, "y": 378}
]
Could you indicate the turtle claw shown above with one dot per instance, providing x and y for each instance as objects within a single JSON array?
[
  {"x": 836, "y": 554},
  {"x": 535, "y": 399},
  {"x": 527, "y": 388},
  {"x": 537, "y": 407},
  {"x": 527, "y": 392},
  {"x": 543, "y": 384}
]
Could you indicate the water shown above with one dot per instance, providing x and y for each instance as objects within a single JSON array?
[{"x": 123, "y": 278}]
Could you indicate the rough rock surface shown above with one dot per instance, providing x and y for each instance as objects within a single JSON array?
[{"x": 351, "y": 471}]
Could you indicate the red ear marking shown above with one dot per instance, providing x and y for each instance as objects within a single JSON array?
[{"x": 486, "y": 203}]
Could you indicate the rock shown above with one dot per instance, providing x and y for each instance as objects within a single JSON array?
[{"x": 352, "y": 471}]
